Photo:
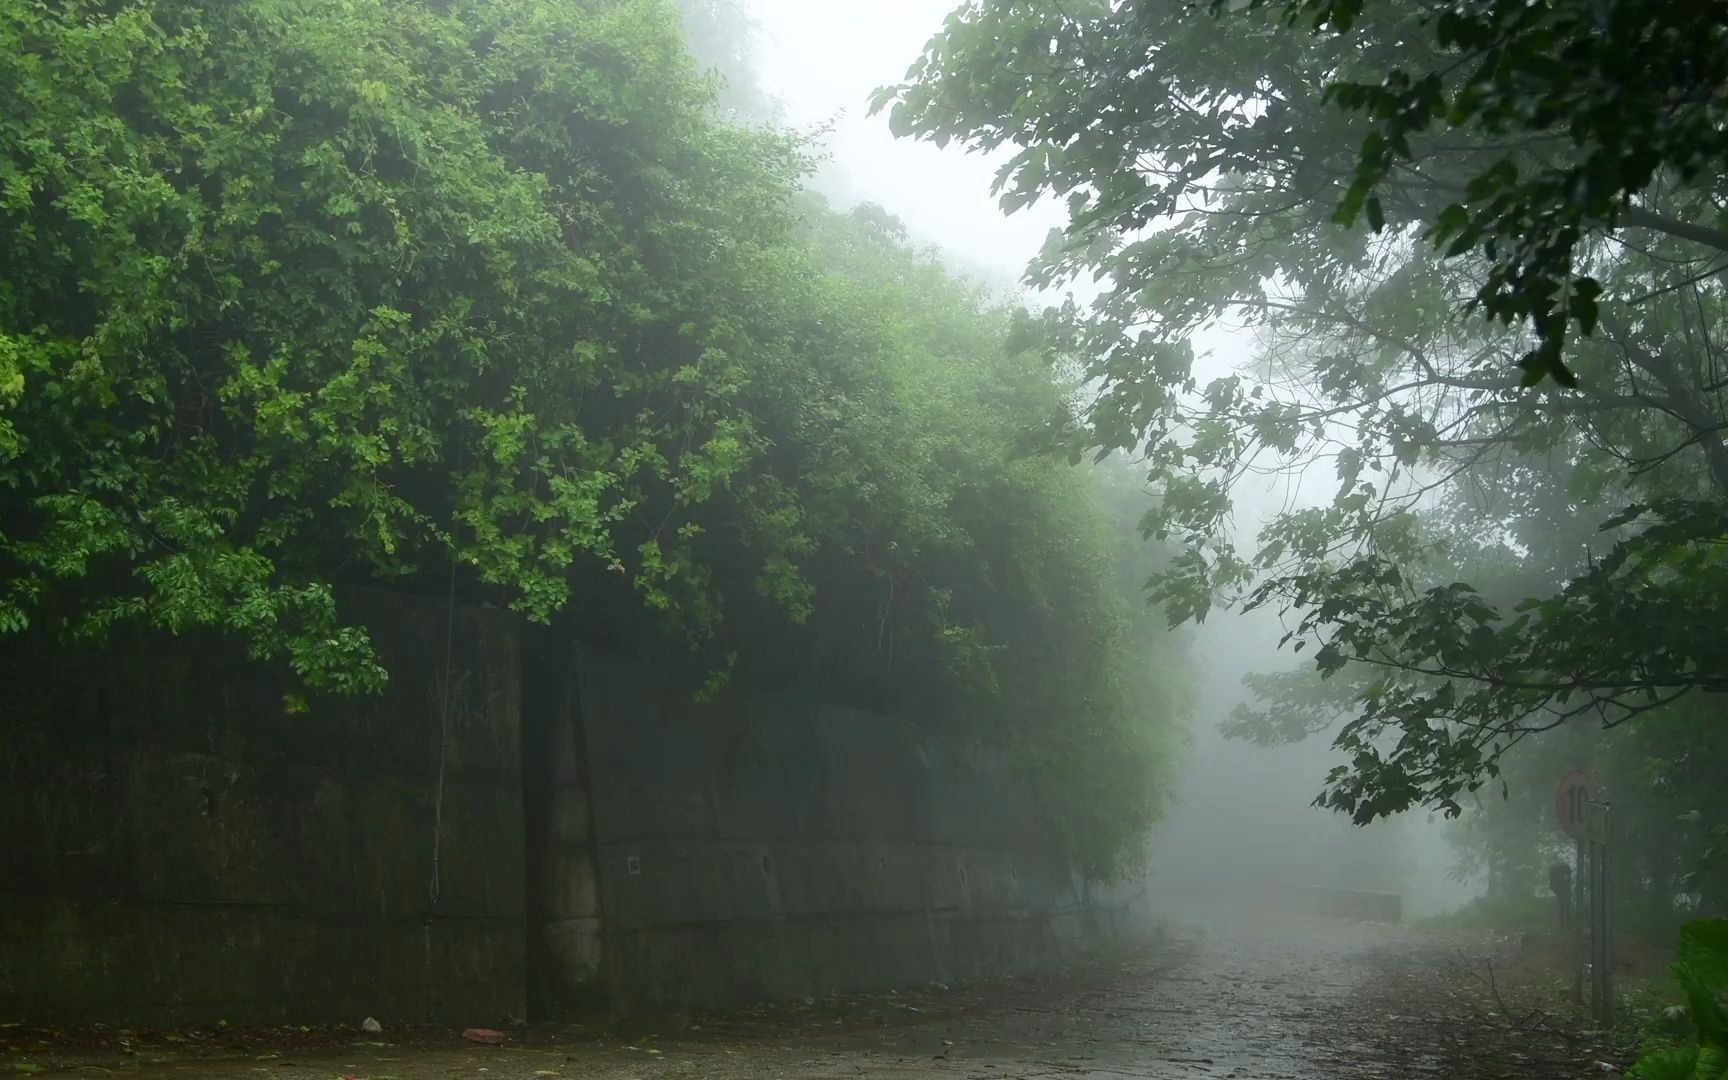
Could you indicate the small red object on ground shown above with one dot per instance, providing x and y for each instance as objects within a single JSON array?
[{"x": 485, "y": 1035}]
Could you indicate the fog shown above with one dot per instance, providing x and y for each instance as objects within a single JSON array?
[
  {"x": 1241, "y": 814},
  {"x": 942, "y": 195},
  {"x": 541, "y": 536}
]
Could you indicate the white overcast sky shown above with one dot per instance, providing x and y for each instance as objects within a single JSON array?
[{"x": 822, "y": 58}]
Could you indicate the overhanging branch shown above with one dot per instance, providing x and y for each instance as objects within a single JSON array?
[{"x": 1639, "y": 217}]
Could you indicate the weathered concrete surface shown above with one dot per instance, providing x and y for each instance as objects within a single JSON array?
[
  {"x": 566, "y": 940},
  {"x": 181, "y": 843},
  {"x": 771, "y": 848},
  {"x": 1237, "y": 992}
]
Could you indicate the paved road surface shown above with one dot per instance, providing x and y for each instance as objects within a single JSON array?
[{"x": 1229, "y": 995}]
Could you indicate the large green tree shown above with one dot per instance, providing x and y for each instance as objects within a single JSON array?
[
  {"x": 493, "y": 298},
  {"x": 380, "y": 287},
  {"x": 1204, "y": 159}
]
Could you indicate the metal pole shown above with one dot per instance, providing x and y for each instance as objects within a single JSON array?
[
  {"x": 1607, "y": 928},
  {"x": 1578, "y": 924},
  {"x": 1601, "y": 927},
  {"x": 1596, "y": 911}
]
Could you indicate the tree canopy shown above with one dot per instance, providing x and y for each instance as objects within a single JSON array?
[
  {"x": 1217, "y": 164},
  {"x": 1570, "y": 84},
  {"x": 495, "y": 298}
]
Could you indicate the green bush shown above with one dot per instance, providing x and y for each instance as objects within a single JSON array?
[
  {"x": 1508, "y": 913},
  {"x": 1701, "y": 973}
]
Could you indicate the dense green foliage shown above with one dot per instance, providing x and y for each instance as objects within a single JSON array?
[
  {"x": 1203, "y": 159},
  {"x": 1522, "y": 913},
  {"x": 490, "y": 296},
  {"x": 1701, "y": 971},
  {"x": 1572, "y": 84},
  {"x": 1015, "y": 572}
]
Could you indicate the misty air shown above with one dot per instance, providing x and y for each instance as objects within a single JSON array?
[{"x": 929, "y": 539}]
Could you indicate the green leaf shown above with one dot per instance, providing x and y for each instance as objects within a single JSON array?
[{"x": 1376, "y": 216}]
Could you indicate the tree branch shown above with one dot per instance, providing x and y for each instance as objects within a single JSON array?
[{"x": 1639, "y": 217}]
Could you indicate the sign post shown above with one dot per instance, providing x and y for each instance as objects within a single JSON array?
[
  {"x": 1601, "y": 926},
  {"x": 1583, "y": 815},
  {"x": 1579, "y": 926}
]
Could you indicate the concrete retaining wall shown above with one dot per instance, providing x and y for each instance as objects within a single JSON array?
[
  {"x": 773, "y": 848},
  {"x": 565, "y": 939},
  {"x": 180, "y": 844},
  {"x": 533, "y": 828}
]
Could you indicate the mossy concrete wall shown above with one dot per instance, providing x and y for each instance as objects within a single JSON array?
[
  {"x": 775, "y": 848},
  {"x": 565, "y": 927},
  {"x": 180, "y": 843},
  {"x": 518, "y": 826}
]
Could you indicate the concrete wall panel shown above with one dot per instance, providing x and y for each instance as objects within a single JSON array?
[
  {"x": 180, "y": 842},
  {"x": 769, "y": 848}
]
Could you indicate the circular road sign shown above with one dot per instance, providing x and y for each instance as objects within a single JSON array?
[{"x": 1571, "y": 803}]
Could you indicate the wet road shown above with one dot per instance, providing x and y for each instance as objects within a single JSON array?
[{"x": 1238, "y": 994}]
